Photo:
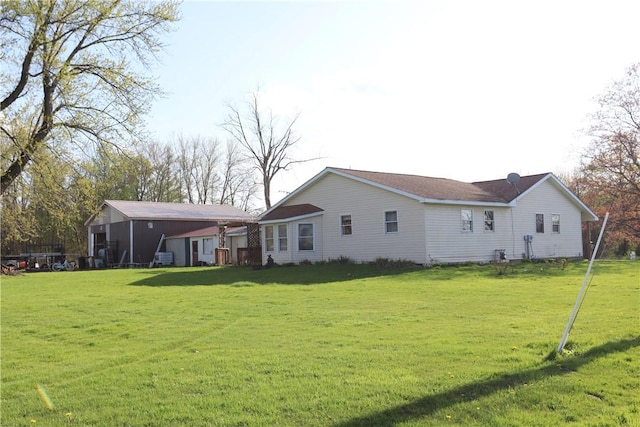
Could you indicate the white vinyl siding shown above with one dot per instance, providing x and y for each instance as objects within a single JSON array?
[
  {"x": 446, "y": 241},
  {"x": 546, "y": 199},
  {"x": 334, "y": 194}
]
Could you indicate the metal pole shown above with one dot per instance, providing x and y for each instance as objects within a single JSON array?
[{"x": 583, "y": 289}]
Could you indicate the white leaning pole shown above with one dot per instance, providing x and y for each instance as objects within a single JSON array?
[{"x": 583, "y": 289}]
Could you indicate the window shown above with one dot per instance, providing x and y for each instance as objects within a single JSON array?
[
  {"x": 207, "y": 246},
  {"x": 268, "y": 238},
  {"x": 489, "y": 224},
  {"x": 345, "y": 225},
  {"x": 282, "y": 238},
  {"x": 391, "y": 221},
  {"x": 466, "y": 215},
  {"x": 555, "y": 223},
  {"x": 305, "y": 237},
  {"x": 539, "y": 223}
]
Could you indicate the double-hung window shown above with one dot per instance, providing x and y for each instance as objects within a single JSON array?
[
  {"x": 345, "y": 225},
  {"x": 539, "y": 223},
  {"x": 466, "y": 216},
  {"x": 555, "y": 223},
  {"x": 489, "y": 221},
  {"x": 391, "y": 221},
  {"x": 305, "y": 237},
  {"x": 268, "y": 238},
  {"x": 282, "y": 238}
]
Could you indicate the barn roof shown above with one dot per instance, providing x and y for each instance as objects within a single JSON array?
[{"x": 134, "y": 210}]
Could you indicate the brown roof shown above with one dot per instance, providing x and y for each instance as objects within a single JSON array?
[
  {"x": 291, "y": 211},
  {"x": 209, "y": 231},
  {"x": 499, "y": 191}
]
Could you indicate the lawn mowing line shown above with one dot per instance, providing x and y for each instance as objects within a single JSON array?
[{"x": 132, "y": 359}]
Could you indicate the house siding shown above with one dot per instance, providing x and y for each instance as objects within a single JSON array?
[
  {"x": 366, "y": 204},
  {"x": 447, "y": 242},
  {"x": 547, "y": 199}
]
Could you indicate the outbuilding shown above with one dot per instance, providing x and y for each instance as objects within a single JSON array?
[{"x": 133, "y": 232}]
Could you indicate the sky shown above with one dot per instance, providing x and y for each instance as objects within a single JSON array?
[{"x": 461, "y": 89}]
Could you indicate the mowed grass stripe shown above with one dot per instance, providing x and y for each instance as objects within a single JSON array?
[{"x": 320, "y": 345}]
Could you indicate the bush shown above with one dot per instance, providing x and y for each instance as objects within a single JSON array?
[
  {"x": 342, "y": 259},
  {"x": 388, "y": 263}
]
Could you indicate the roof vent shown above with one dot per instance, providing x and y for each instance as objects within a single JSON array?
[{"x": 514, "y": 179}]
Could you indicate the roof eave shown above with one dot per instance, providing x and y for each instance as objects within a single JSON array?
[{"x": 289, "y": 219}]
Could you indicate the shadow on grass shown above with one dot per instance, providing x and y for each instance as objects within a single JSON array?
[
  {"x": 246, "y": 276},
  {"x": 427, "y": 405}
]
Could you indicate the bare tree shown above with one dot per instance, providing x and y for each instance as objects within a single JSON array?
[
  {"x": 238, "y": 186},
  {"x": 68, "y": 75},
  {"x": 198, "y": 162},
  {"x": 268, "y": 145}
]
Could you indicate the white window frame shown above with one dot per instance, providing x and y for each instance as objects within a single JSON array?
[
  {"x": 466, "y": 224},
  {"x": 268, "y": 239},
  {"x": 344, "y": 226},
  {"x": 492, "y": 221},
  {"x": 313, "y": 236},
  {"x": 555, "y": 223},
  {"x": 282, "y": 238},
  {"x": 536, "y": 223},
  {"x": 387, "y": 222}
]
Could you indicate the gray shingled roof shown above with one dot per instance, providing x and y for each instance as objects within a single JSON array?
[{"x": 134, "y": 210}]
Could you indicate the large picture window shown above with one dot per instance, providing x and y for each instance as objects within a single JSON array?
[
  {"x": 268, "y": 238},
  {"x": 282, "y": 238},
  {"x": 305, "y": 237},
  {"x": 466, "y": 215},
  {"x": 539, "y": 223},
  {"x": 345, "y": 225},
  {"x": 391, "y": 221}
]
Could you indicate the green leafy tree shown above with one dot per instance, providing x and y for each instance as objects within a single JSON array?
[{"x": 75, "y": 72}]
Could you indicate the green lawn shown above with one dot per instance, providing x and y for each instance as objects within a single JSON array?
[{"x": 321, "y": 345}]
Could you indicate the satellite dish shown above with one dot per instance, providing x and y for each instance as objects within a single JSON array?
[{"x": 513, "y": 179}]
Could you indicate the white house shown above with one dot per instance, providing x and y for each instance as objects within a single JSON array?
[{"x": 365, "y": 215}]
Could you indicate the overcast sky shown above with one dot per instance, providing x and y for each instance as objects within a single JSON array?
[{"x": 468, "y": 90}]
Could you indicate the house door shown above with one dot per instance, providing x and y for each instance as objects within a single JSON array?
[{"x": 194, "y": 253}]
